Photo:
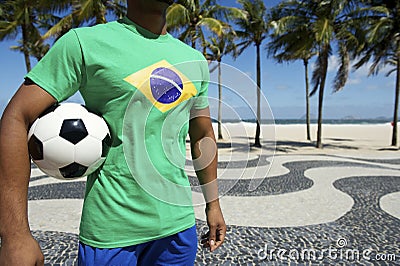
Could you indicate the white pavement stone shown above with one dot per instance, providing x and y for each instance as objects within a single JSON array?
[
  {"x": 321, "y": 203},
  {"x": 277, "y": 162},
  {"x": 61, "y": 215},
  {"x": 36, "y": 172},
  {"x": 390, "y": 203},
  {"x": 236, "y": 157}
]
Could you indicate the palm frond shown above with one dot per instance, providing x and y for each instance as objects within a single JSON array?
[
  {"x": 8, "y": 30},
  {"x": 177, "y": 15},
  {"x": 343, "y": 72},
  {"x": 65, "y": 24},
  {"x": 390, "y": 72},
  {"x": 323, "y": 31},
  {"x": 253, "y": 29},
  {"x": 214, "y": 25}
]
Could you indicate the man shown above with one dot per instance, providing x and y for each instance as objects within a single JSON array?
[{"x": 136, "y": 208}]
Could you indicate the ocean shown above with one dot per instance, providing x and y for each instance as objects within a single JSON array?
[{"x": 314, "y": 121}]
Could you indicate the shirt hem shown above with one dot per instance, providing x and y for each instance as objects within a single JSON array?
[{"x": 97, "y": 244}]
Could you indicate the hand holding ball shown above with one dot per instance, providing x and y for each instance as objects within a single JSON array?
[{"x": 67, "y": 141}]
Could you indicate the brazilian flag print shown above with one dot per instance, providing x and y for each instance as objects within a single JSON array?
[{"x": 163, "y": 85}]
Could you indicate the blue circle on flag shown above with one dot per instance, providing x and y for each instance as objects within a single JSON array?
[{"x": 166, "y": 85}]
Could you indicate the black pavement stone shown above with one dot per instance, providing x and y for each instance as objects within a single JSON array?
[
  {"x": 386, "y": 161},
  {"x": 259, "y": 161},
  {"x": 290, "y": 182},
  {"x": 63, "y": 190},
  {"x": 58, "y": 248}
]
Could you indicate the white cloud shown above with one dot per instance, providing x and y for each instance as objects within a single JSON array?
[
  {"x": 333, "y": 63},
  {"x": 354, "y": 81},
  {"x": 363, "y": 71}
]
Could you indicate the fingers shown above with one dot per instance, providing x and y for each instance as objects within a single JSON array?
[
  {"x": 213, "y": 239},
  {"x": 218, "y": 240},
  {"x": 217, "y": 227},
  {"x": 204, "y": 240}
]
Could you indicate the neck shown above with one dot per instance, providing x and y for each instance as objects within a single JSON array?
[{"x": 149, "y": 17}]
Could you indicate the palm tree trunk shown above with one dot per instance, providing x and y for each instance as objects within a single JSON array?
[
  {"x": 219, "y": 101},
  {"x": 204, "y": 46},
  {"x": 257, "y": 142},
  {"x": 101, "y": 15},
  {"x": 307, "y": 98},
  {"x": 321, "y": 95},
  {"x": 24, "y": 47},
  {"x": 101, "y": 18},
  {"x": 193, "y": 40},
  {"x": 396, "y": 101}
]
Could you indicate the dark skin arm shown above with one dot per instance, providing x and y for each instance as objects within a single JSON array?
[
  {"x": 18, "y": 247},
  {"x": 204, "y": 154}
]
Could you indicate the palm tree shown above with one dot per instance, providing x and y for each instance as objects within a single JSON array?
[
  {"x": 253, "y": 30},
  {"x": 220, "y": 46},
  {"x": 85, "y": 11},
  {"x": 37, "y": 48},
  {"x": 285, "y": 45},
  {"x": 29, "y": 19},
  {"x": 382, "y": 44},
  {"x": 189, "y": 19},
  {"x": 18, "y": 17},
  {"x": 329, "y": 23}
]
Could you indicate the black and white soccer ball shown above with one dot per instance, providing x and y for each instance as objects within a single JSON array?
[{"x": 67, "y": 141}]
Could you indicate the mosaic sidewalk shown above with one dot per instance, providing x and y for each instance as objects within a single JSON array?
[{"x": 308, "y": 210}]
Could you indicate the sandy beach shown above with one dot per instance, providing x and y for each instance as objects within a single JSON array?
[{"x": 354, "y": 139}]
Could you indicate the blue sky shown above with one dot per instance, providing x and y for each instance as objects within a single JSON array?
[{"x": 281, "y": 84}]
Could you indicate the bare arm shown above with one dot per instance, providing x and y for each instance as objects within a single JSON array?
[
  {"x": 204, "y": 154},
  {"x": 26, "y": 105}
]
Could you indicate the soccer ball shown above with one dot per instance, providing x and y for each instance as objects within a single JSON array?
[{"x": 67, "y": 141}]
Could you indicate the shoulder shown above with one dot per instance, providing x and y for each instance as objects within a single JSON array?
[
  {"x": 98, "y": 31},
  {"x": 188, "y": 49},
  {"x": 99, "y": 27}
]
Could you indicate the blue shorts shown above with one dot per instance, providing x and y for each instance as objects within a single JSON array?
[{"x": 178, "y": 249}]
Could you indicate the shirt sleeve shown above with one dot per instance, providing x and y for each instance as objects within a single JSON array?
[
  {"x": 61, "y": 71},
  {"x": 201, "y": 100}
]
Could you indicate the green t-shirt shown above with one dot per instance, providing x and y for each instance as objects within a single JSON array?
[{"x": 145, "y": 87}]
